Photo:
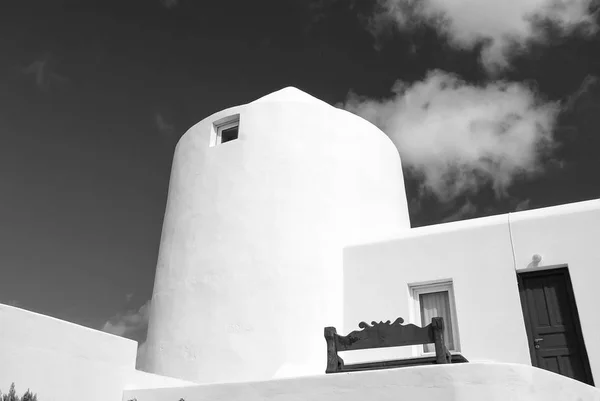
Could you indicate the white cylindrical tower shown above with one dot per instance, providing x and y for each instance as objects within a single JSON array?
[{"x": 250, "y": 264}]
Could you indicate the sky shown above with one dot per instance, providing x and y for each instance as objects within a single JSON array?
[{"x": 494, "y": 108}]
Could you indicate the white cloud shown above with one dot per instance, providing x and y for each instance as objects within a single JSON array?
[
  {"x": 163, "y": 126},
  {"x": 132, "y": 323},
  {"x": 500, "y": 23},
  {"x": 170, "y": 3},
  {"x": 523, "y": 205},
  {"x": 584, "y": 95},
  {"x": 458, "y": 137},
  {"x": 467, "y": 210},
  {"x": 42, "y": 71}
]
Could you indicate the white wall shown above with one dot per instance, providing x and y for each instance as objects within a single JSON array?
[
  {"x": 139, "y": 379},
  {"x": 63, "y": 361},
  {"x": 567, "y": 235},
  {"x": 460, "y": 382},
  {"x": 480, "y": 256},
  {"x": 475, "y": 254},
  {"x": 250, "y": 261}
]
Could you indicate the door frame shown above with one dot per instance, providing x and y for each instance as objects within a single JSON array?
[{"x": 564, "y": 270}]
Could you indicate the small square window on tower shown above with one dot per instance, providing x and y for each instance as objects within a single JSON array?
[{"x": 225, "y": 130}]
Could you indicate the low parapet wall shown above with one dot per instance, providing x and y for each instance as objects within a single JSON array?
[
  {"x": 460, "y": 382},
  {"x": 62, "y": 361},
  {"x": 59, "y": 360}
]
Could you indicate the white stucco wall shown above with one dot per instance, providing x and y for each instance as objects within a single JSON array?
[
  {"x": 475, "y": 254},
  {"x": 566, "y": 235},
  {"x": 481, "y": 256},
  {"x": 460, "y": 382},
  {"x": 59, "y": 360},
  {"x": 250, "y": 262},
  {"x": 139, "y": 379}
]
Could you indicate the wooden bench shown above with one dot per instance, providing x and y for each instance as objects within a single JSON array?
[{"x": 386, "y": 334}]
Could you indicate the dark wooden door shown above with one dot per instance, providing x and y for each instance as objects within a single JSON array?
[{"x": 552, "y": 322}]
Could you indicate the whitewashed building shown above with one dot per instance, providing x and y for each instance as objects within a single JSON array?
[
  {"x": 250, "y": 263},
  {"x": 286, "y": 215},
  {"x": 299, "y": 221},
  {"x": 516, "y": 288}
]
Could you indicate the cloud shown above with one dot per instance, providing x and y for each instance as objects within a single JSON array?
[
  {"x": 523, "y": 205},
  {"x": 42, "y": 70},
  {"x": 131, "y": 323},
  {"x": 498, "y": 24},
  {"x": 169, "y": 3},
  {"x": 163, "y": 126},
  {"x": 457, "y": 137},
  {"x": 467, "y": 210},
  {"x": 584, "y": 95},
  {"x": 321, "y": 9}
]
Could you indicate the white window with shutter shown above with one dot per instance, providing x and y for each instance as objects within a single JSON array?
[{"x": 435, "y": 299}]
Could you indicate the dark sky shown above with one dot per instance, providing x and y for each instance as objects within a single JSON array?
[{"x": 94, "y": 95}]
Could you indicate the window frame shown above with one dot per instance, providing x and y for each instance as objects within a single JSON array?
[
  {"x": 221, "y": 125},
  {"x": 417, "y": 289}
]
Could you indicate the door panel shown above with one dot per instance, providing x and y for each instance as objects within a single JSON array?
[{"x": 553, "y": 325}]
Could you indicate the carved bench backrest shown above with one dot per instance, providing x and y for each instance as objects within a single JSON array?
[{"x": 385, "y": 334}]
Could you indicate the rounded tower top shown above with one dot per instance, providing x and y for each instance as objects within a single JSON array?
[{"x": 291, "y": 94}]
